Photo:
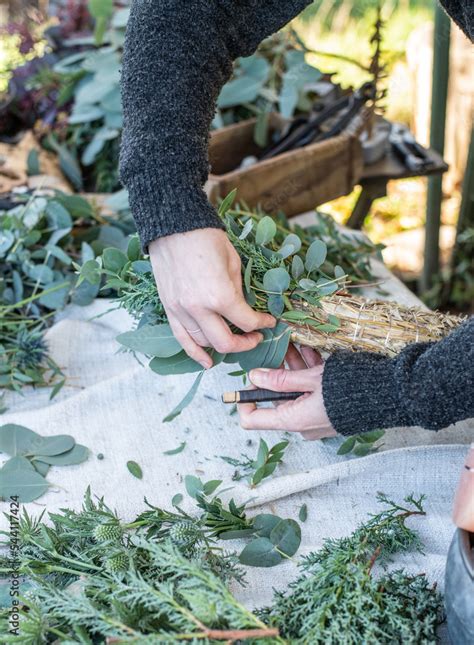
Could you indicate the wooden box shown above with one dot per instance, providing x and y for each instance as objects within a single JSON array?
[{"x": 294, "y": 182}]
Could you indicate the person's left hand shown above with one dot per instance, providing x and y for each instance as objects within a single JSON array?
[{"x": 306, "y": 414}]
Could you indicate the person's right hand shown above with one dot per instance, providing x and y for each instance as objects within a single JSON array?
[{"x": 198, "y": 275}]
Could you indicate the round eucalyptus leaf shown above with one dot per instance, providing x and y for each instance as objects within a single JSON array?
[
  {"x": 339, "y": 272},
  {"x": 114, "y": 260},
  {"x": 76, "y": 455},
  {"x": 6, "y": 241},
  {"x": 266, "y": 230},
  {"x": 291, "y": 245},
  {"x": 286, "y": 536},
  {"x": 193, "y": 485},
  {"x": 27, "y": 485},
  {"x": 307, "y": 284},
  {"x": 315, "y": 255},
  {"x": 17, "y": 440},
  {"x": 40, "y": 273},
  {"x": 152, "y": 340},
  {"x": 17, "y": 463},
  {"x": 326, "y": 287},
  {"x": 50, "y": 446},
  {"x": 297, "y": 267},
  {"x": 264, "y": 524},
  {"x": 276, "y": 280},
  {"x": 276, "y": 305},
  {"x": 260, "y": 553}
]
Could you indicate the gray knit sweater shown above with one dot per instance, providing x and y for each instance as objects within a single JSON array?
[{"x": 178, "y": 55}]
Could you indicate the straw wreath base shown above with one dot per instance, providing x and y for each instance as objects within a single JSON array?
[{"x": 377, "y": 326}]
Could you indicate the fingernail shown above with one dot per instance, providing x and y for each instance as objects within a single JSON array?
[{"x": 206, "y": 364}]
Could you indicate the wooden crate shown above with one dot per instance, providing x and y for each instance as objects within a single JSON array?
[{"x": 295, "y": 181}]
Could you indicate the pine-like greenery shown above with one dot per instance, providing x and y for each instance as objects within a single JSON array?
[{"x": 91, "y": 579}]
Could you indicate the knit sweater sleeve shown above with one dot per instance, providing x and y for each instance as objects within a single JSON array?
[
  {"x": 428, "y": 384},
  {"x": 177, "y": 56}
]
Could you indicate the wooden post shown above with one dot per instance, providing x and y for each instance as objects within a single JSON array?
[{"x": 439, "y": 94}]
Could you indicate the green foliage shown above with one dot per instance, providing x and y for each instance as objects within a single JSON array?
[
  {"x": 161, "y": 578},
  {"x": 23, "y": 476},
  {"x": 361, "y": 444},
  {"x": 274, "y": 261},
  {"x": 272, "y": 538},
  {"x": 277, "y": 78},
  {"x": 263, "y": 466},
  {"x": 267, "y": 460},
  {"x": 41, "y": 240},
  {"x": 135, "y": 469},
  {"x": 338, "y": 594}
]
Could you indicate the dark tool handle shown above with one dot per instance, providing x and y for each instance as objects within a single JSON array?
[{"x": 259, "y": 396}]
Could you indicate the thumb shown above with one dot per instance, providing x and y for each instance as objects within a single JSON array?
[{"x": 282, "y": 380}]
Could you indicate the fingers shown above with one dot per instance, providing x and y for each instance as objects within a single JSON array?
[
  {"x": 311, "y": 356},
  {"x": 192, "y": 327},
  {"x": 294, "y": 359},
  {"x": 305, "y": 380},
  {"x": 245, "y": 318},
  {"x": 192, "y": 349},
  {"x": 253, "y": 418},
  {"x": 222, "y": 339}
]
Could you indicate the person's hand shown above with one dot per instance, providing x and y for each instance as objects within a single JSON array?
[
  {"x": 198, "y": 275},
  {"x": 306, "y": 414}
]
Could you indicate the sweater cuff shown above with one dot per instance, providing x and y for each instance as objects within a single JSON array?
[
  {"x": 163, "y": 207},
  {"x": 354, "y": 385}
]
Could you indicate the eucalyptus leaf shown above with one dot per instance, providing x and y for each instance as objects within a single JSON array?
[
  {"x": 16, "y": 464},
  {"x": 315, "y": 255},
  {"x": 114, "y": 260},
  {"x": 297, "y": 267},
  {"x": 27, "y": 485},
  {"x": 177, "y": 499},
  {"x": 264, "y": 524},
  {"x": 260, "y": 553},
  {"x": 186, "y": 400},
  {"x": 270, "y": 352},
  {"x": 247, "y": 229},
  {"x": 152, "y": 340},
  {"x": 135, "y": 469},
  {"x": 276, "y": 305},
  {"x": 176, "y": 451},
  {"x": 16, "y": 440},
  {"x": 266, "y": 230},
  {"x": 193, "y": 485},
  {"x": 76, "y": 455},
  {"x": 178, "y": 364},
  {"x": 286, "y": 536},
  {"x": 276, "y": 280},
  {"x": 303, "y": 513},
  {"x": 56, "y": 445}
]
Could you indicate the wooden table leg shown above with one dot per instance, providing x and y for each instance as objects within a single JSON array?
[{"x": 370, "y": 191}]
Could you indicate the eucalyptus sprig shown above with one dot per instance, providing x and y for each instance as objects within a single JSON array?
[
  {"x": 23, "y": 476},
  {"x": 280, "y": 268},
  {"x": 42, "y": 238}
]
